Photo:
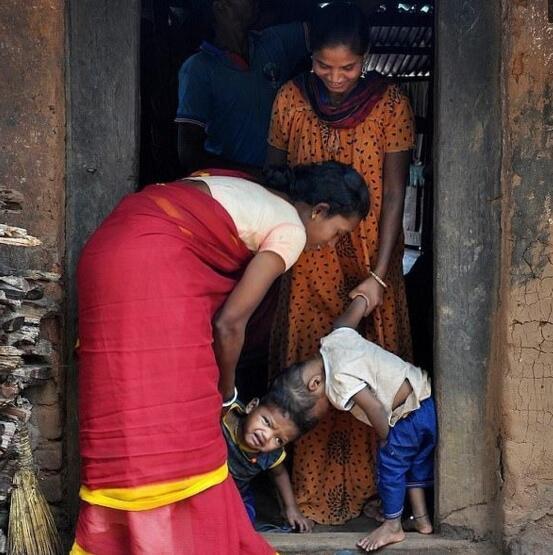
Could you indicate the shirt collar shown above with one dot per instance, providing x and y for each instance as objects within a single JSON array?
[
  {"x": 210, "y": 48},
  {"x": 230, "y": 59},
  {"x": 237, "y": 410}
]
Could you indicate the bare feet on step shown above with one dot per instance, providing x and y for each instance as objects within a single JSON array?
[
  {"x": 372, "y": 509},
  {"x": 420, "y": 524},
  {"x": 389, "y": 532}
]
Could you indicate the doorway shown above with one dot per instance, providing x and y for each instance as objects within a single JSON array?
[
  {"x": 103, "y": 163},
  {"x": 401, "y": 49}
]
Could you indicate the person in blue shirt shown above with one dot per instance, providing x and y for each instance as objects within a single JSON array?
[{"x": 226, "y": 90}]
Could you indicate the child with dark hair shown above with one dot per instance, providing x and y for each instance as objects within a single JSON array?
[
  {"x": 389, "y": 394},
  {"x": 256, "y": 435}
]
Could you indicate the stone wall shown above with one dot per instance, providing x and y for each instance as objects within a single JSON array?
[
  {"x": 32, "y": 169},
  {"x": 525, "y": 329}
]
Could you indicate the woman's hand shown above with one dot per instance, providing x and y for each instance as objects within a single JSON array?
[
  {"x": 372, "y": 291},
  {"x": 297, "y": 520}
]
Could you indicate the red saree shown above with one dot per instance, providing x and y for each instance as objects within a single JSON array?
[{"x": 149, "y": 283}]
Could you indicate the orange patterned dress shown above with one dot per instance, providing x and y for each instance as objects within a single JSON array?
[{"x": 333, "y": 470}]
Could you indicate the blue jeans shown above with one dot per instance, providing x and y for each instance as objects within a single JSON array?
[
  {"x": 249, "y": 502},
  {"x": 407, "y": 458}
]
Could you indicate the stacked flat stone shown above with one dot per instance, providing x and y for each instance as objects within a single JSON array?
[{"x": 25, "y": 362}]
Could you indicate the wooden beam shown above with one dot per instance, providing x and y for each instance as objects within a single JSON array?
[
  {"x": 102, "y": 148},
  {"x": 466, "y": 253}
]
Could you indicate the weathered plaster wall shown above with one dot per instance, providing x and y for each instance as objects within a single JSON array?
[
  {"x": 526, "y": 329},
  {"x": 32, "y": 167}
]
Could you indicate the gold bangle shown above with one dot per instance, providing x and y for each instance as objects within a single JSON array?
[{"x": 378, "y": 279}]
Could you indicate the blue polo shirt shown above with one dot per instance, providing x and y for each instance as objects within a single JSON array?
[{"x": 232, "y": 101}]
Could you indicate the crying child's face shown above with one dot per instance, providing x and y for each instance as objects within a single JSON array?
[{"x": 266, "y": 429}]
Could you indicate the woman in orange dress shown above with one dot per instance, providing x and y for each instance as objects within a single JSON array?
[{"x": 337, "y": 112}]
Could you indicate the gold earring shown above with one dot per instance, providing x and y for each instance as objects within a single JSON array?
[{"x": 313, "y": 215}]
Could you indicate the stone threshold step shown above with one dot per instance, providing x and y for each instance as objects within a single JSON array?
[{"x": 343, "y": 543}]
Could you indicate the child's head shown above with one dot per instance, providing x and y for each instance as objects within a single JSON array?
[
  {"x": 306, "y": 381},
  {"x": 267, "y": 427},
  {"x": 282, "y": 415}
]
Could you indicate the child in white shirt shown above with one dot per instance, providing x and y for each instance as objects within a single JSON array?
[{"x": 392, "y": 396}]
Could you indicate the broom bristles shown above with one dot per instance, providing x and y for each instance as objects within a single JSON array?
[{"x": 31, "y": 528}]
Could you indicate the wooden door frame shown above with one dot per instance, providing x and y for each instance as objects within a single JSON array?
[
  {"x": 467, "y": 182},
  {"x": 103, "y": 130}
]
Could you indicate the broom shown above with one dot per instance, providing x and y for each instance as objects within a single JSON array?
[{"x": 31, "y": 529}]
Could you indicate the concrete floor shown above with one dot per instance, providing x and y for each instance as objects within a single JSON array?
[
  {"x": 344, "y": 544},
  {"x": 341, "y": 540},
  {"x": 268, "y": 512}
]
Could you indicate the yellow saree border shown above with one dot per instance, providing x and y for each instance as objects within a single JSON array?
[
  {"x": 152, "y": 496},
  {"x": 78, "y": 550}
]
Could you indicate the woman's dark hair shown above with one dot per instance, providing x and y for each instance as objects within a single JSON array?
[
  {"x": 289, "y": 394},
  {"x": 334, "y": 183},
  {"x": 339, "y": 23}
]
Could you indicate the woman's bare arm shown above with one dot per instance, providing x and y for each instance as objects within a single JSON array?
[
  {"x": 229, "y": 325},
  {"x": 396, "y": 167}
]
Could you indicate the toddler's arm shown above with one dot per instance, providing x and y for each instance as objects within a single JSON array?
[
  {"x": 293, "y": 514},
  {"x": 351, "y": 317},
  {"x": 374, "y": 410}
]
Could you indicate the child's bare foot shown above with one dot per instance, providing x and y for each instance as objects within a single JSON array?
[
  {"x": 420, "y": 524},
  {"x": 372, "y": 509},
  {"x": 389, "y": 532}
]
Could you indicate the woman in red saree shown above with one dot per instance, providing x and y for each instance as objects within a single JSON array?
[{"x": 166, "y": 286}]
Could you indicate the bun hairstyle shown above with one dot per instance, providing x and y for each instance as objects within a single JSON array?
[
  {"x": 281, "y": 178},
  {"x": 340, "y": 23},
  {"x": 332, "y": 183}
]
